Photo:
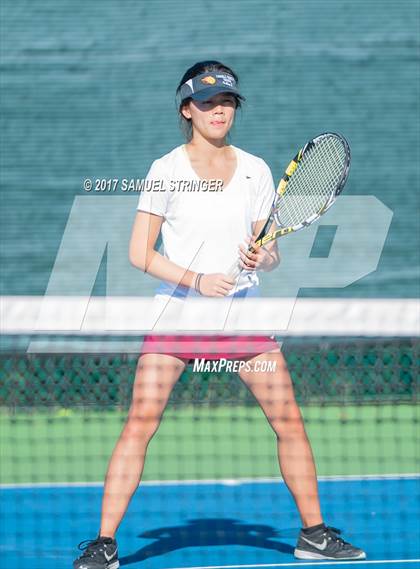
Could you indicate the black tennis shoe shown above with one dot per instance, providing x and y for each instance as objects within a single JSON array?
[
  {"x": 99, "y": 553},
  {"x": 323, "y": 543}
]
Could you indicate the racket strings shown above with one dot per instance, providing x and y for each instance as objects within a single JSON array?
[{"x": 313, "y": 183}]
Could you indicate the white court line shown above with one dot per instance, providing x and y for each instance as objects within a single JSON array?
[
  {"x": 221, "y": 482},
  {"x": 298, "y": 564}
]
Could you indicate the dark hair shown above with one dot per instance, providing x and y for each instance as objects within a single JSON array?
[{"x": 208, "y": 66}]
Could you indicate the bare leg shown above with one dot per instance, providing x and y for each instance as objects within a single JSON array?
[
  {"x": 156, "y": 376},
  {"x": 274, "y": 392}
]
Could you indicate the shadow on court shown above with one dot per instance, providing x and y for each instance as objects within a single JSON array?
[{"x": 207, "y": 532}]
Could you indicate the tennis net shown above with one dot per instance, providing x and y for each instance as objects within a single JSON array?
[{"x": 213, "y": 459}]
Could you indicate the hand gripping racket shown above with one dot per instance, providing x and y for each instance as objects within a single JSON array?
[{"x": 310, "y": 185}]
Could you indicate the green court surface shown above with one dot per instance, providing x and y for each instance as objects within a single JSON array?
[{"x": 206, "y": 443}]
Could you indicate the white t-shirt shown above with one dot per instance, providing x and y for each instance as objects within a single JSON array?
[{"x": 202, "y": 229}]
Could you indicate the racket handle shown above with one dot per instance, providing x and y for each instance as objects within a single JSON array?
[{"x": 235, "y": 271}]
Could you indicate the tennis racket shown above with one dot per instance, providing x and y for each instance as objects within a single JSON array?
[{"x": 310, "y": 185}]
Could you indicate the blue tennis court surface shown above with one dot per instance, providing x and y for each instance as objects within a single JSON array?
[{"x": 223, "y": 525}]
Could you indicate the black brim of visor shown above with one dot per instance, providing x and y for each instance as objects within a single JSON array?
[{"x": 206, "y": 94}]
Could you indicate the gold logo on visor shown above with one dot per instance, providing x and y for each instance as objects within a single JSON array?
[{"x": 209, "y": 80}]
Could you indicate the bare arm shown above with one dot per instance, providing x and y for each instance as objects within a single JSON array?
[{"x": 142, "y": 253}]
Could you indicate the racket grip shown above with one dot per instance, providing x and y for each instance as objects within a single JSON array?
[{"x": 235, "y": 270}]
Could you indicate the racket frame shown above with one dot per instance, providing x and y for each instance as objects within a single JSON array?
[{"x": 265, "y": 236}]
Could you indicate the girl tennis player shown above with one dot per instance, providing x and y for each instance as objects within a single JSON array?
[{"x": 201, "y": 231}]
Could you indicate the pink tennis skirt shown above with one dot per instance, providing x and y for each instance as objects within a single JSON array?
[{"x": 208, "y": 347}]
